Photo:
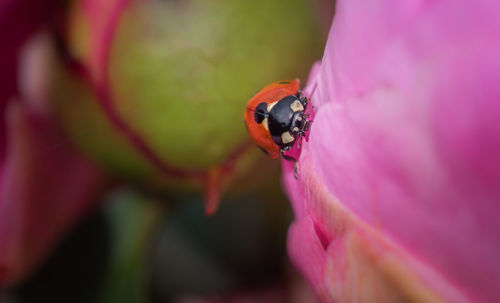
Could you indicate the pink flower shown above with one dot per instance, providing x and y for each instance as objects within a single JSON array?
[{"x": 399, "y": 188}]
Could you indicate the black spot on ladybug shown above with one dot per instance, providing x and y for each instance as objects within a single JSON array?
[
  {"x": 261, "y": 113},
  {"x": 284, "y": 82}
]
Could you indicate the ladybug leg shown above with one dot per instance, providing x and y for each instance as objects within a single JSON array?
[
  {"x": 286, "y": 157},
  {"x": 285, "y": 148},
  {"x": 291, "y": 159},
  {"x": 304, "y": 101},
  {"x": 307, "y": 124},
  {"x": 299, "y": 139}
]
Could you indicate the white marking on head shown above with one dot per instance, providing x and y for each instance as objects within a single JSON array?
[
  {"x": 271, "y": 105},
  {"x": 295, "y": 129},
  {"x": 297, "y": 106},
  {"x": 286, "y": 138}
]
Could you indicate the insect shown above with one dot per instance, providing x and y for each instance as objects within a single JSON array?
[{"x": 276, "y": 118}]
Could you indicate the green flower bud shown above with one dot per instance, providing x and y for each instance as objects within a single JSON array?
[{"x": 156, "y": 90}]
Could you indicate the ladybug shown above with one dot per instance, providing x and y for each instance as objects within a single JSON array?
[{"x": 276, "y": 118}]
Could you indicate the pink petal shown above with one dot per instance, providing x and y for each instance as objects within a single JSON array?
[
  {"x": 406, "y": 139},
  {"x": 46, "y": 186},
  {"x": 18, "y": 20}
]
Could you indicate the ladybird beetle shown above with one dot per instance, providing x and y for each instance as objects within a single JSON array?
[{"x": 276, "y": 118}]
